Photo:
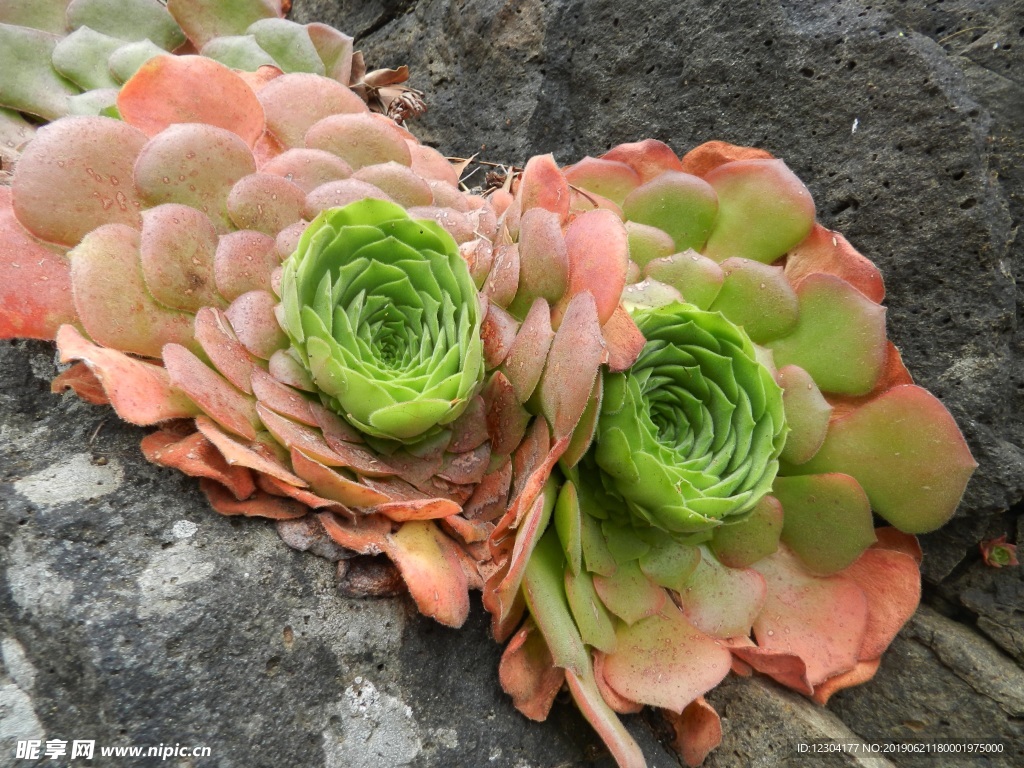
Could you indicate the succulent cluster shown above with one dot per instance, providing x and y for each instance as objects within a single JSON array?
[{"x": 644, "y": 403}]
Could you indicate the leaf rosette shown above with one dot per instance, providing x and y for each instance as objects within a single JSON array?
[
  {"x": 385, "y": 317},
  {"x": 691, "y": 434}
]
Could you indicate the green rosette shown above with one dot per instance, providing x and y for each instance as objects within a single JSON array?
[
  {"x": 383, "y": 313},
  {"x": 691, "y": 434}
]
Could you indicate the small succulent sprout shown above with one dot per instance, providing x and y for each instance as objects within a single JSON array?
[
  {"x": 194, "y": 200},
  {"x": 998, "y": 552},
  {"x": 382, "y": 312}
]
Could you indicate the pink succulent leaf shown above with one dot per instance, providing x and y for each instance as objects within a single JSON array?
[
  {"x": 786, "y": 668},
  {"x": 196, "y": 165},
  {"x": 432, "y": 569},
  {"x": 418, "y": 509},
  {"x": 722, "y": 601},
  {"x": 503, "y": 279},
  {"x": 244, "y": 261},
  {"x": 839, "y": 338},
  {"x": 529, "y": 351},
  {"x": 83, "y": 382},
  {"x": 829, "y": 252},
  {"x": 255, "y": 323},
  {"x": 228, "y": 355},
  {"x": 649, "y": 158},
  {"x": 202, "y": 21},
  {"x": 697, "y": 278},
  {"x": 293, "y": 103},
  {"x": 304, "y": 496},
  {"x": 260, "y": 504},
  {"x": 891, "y": 580},
  {"x": 113, "y": 301},
  {"x": 860, "y": 674},
  {"x": 588, "y": 698},
  {"x": 698, "y": 731},
  {"x": 359, "y": 140},
  {"x": 906, "y": 451},
  {"x": 701, "y": 160},
  {"x": 398, "y": 182},
  {"x": 431, "y": 164},
  {"x": 190, "y": 89},
  {"x": 527, "y": 673},
  {"x": 35, "y": 282},
  {"x": 998, "y": 552},
  {"x": 763, "y": 210},
  {"x": 542, "y": 185},
  {"x": 281, "y": 398},
  {"x": 663, "y": 660},
  {"x": 265, "y": 203},
  {"x": 308, "y": 168},
  {"x": 177, "y": 250},
  {"x": 822, "y": 621},
  {"x": 247, "y": 455},
  {"x": 507, "y": 419},
  {"x": 91, "y": 160},
  {"x": 758, "y": 297},
  {"x": 623, "y": 340},
  {"x": 577, "y": 352},
  {"x": 608, "y": 178},
  {"x": 229, "y": 407},
  {"x": 596, "y": 244},
  {"x": 827, "y": 521},
  {"x": 333, "y": 485},
  {"x": 140, "y": 392},
  {"x": 196, "y": 456},
  {"x": 620, "y": 704},
  {"x": 543, "y": 259}
]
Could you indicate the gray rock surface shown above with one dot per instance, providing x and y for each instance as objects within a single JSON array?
[{"x": 133, "y": 615}]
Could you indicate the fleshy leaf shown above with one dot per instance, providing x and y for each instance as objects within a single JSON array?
[
  {"x": 196, "y": 165},
  {"x": 293, "y": 103},
  {"x": 665, "y": 661},
  {"x": 190, "y": 89},
  {"x": 90, "y": 160},
  {"x": 528, "y": 674},
  {"x": 807, "y": 414},
  {"x": 757, "y": 297},
  {"x": 822, "y": 621},
  {"x": 839, "y": 338},
  {"x": 141, "y": 393},
  {"x": 682, "y": 205},
  {"x": 203, "y": 20},
  {"x": 906, "y": 451},
  {"x": 763, "y": 210},
  {"x": 743, "y": 543},
  {"x": 35, "y": 282},
  {"x": 827, "y": 519},
  {"x": 596, "y": 244},
  {"x": 112, "y": 300},
  {"x": 697, "y": 278}
]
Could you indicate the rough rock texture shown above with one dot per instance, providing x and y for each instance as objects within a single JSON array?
[{"x": 132, "y": 614}]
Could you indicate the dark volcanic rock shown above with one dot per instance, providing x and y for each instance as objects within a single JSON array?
[{"x": 133, "y": 615}]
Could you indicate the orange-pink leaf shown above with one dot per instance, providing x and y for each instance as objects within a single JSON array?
[
  {"x": 190, "y": 89},
  {"x": 140, "y": 392}
]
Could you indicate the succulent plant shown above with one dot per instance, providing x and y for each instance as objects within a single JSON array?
[
  {"x": 60, "y": 57},
  {"x": 998, "y": 552},
  {"x": 158, "y": 267},
  {"x": 645, "y": 402},
  {"x": 722, "y": 516}
]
